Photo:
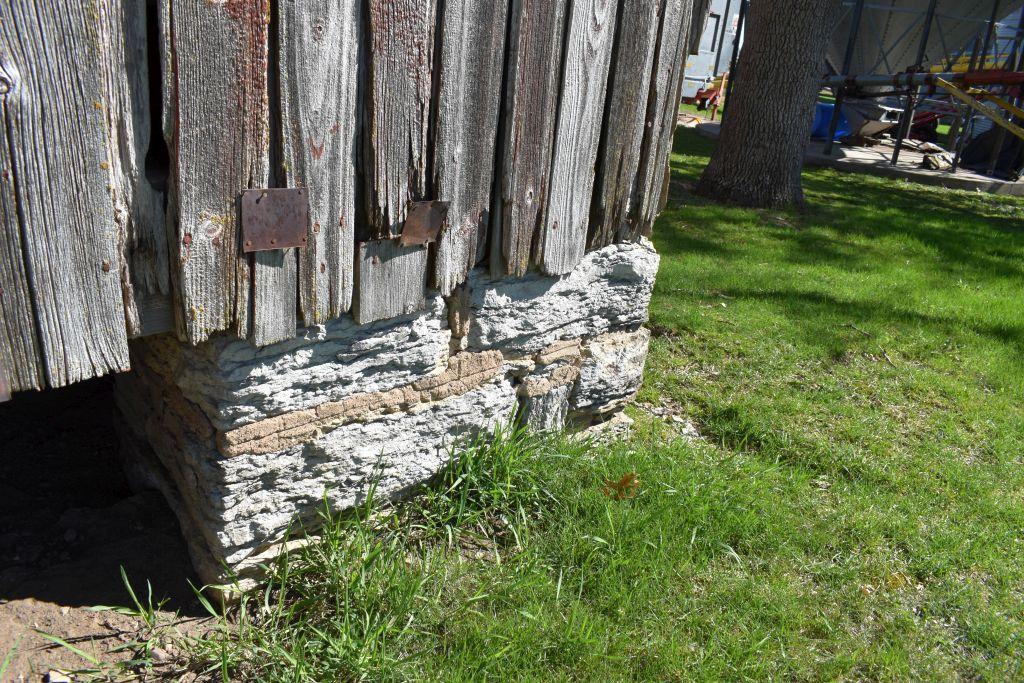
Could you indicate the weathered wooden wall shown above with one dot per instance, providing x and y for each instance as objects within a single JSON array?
[{"x": 131, "y": 128}]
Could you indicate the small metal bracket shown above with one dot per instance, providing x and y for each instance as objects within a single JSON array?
[
  {"x": 274, "y": 218},
  {"x": 423, "y": 223}
]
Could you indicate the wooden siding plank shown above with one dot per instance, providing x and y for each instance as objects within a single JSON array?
[
  {"x": 625, "y": 113},
  {"x": 274, "y": 296},
  {"x": 52, "y": 59},
  {"x": 662, "y": 112},
  {"x": 401, "y": 81},
  {"x": 532, "y": 81},
  {"x": 20, "y": 361},
  {"x": 390, "y": 280},
  {"x": 321, "y": 43},
  {"x": 138, "y": 205},
  {"x": 219, "y": 53},
  {"x": 468, "y": 99},
  {"x": 589, "y": 41}
]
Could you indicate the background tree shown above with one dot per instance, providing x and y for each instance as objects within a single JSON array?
[{"x": 760, "y": 151}]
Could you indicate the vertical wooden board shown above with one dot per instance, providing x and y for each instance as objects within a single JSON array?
[
  {"x": 589, "y": 41},
  {"x": 219, "y": 53},
  {"x": 274, "y": 296},
  {"x": 57, "y": 135},
  {"x": 468, "y": 99},
  {"x": 401, "y": 81},
  {"x": 390, "y": 280},
  {"x": 532, "y": 80},
  {"x": 20, "y": 362},
  {"x": 698, "y": 22},
  {"x": 662, "y": 113},
  {"x": 625, "y": 113},
  {"x": 138, "y": 206},
  {"x": 321, "y": 42}
]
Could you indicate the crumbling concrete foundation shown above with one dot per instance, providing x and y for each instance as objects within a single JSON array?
[{"x": 244, "y": 441}]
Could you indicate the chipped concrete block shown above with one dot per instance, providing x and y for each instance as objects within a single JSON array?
[
  {"x": 546, "y": 412},
  {"x": 612, "y": 370},
  {"x": 610, "y": 289},
  {"x": 246, "y": 441},
  {"x": 236, "y": 384}
]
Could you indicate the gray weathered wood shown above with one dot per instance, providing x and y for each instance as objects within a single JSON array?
[
  {"x": 219, "y": 52},
  {"x": 321, "y": 43},
  {"x": 156, "y": 315},
  {"x": 274, "y": 296},
  {"x": 589, "y": 41},
  {"x": 625, "y": 112},
  {"x": 401, "y": 77},
  {"x": 20, "y": 362},
  {"x": 390, "y": 280},
  {"x": 662, "y": 112},
  {"x": 468, "y": 99},
  {"x": 52, "y": 61},
  {"x": 138, "y": 206},
  {"x": 698, "y": 22},
  {"x": 532, "y": 81}
]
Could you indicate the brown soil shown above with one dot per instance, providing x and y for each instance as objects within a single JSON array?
[{"x": 69, "y": 522}]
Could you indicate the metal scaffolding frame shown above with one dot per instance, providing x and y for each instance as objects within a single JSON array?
[{"x": 911, "y": 81}]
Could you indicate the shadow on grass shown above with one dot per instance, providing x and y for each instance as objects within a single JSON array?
[
  {"x": 851, "y": 221},
  {"x": 818, "y": 313}
]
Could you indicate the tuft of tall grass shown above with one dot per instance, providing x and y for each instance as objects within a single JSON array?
[
  {"x": 489, "y": 490},
  {"x": 349, "y": 604}
]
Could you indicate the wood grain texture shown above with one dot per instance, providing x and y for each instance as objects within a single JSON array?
[
  {"x": 219, "y": 53},
  {"x": 321, "y": 43},
  {"x": 532, "y": 81},
  {"x": 467, "y": 103},
  {"x": 662, "y": 112},
  {"x": 698, "y": 22},
  {"x": 20, "y": 360},
  {"x": 138, "y": 205},
  {"x": 625, "y": 114},
  {"x": 401, "y": 78},
  {"x": 51, "y": 57},
  {"x": 274, "y": 296},
  {"x": 390, "y": 280},
  {"x": 588, "y": 51}
]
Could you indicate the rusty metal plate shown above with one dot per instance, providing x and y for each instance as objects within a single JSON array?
[
  {"x": 424, "y": 222},
  {"x": 275, "y": 218}
]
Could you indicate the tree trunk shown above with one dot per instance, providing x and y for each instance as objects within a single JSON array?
[{"x": 760, "y": 152}]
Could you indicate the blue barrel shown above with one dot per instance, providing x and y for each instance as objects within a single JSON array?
[{"x": 822, "y": 119}]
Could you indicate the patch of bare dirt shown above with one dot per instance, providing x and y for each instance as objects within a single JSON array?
[{"x": 70, "y": 522}]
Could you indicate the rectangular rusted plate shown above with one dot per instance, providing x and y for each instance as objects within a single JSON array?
[
  {"x": 423, "y": 223},
  {"x": 276, "y": 218}
]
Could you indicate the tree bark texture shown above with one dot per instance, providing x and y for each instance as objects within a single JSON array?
[{"x": 760, "y": 150}]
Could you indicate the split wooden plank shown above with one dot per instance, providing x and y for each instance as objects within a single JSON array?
[
  {"x": 21, "y": 365},
  {"x": 532, "y": 81},
  {"x": 220, "y": 55},
  {"x": 390, "y": 280},
  {"x": 651, "y": 188},
  {"x": 57, "y": 136},
  {"x": 401, "y": 81},
  {"x": 625, "y": 113},
  {"x": 321, "y": 43},
  {"x": 589, "y": 41},
  {"x": 138, "y": 205},
  {"x": 468, "y": 99}
]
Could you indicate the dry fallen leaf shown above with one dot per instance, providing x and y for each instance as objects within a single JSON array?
[{"x": 623, "y": 488}]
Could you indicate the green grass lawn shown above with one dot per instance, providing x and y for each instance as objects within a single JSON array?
[{"x": 853, "y": 510}]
